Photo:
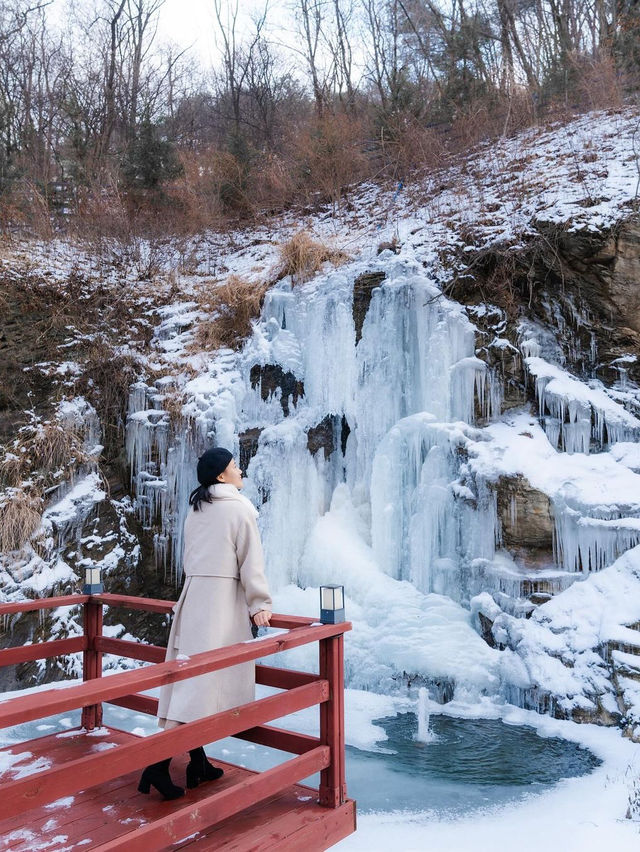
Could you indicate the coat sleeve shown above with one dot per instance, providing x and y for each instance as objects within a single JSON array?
[{"x": 251, "y": 565}]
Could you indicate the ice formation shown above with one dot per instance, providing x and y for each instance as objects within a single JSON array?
[
  {"x": 397, "y": 497},
  {"x": 575, "y": 414},
  {"x": 424, "y": 735}
]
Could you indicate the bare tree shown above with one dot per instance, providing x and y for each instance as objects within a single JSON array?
[
  {"x": 141, "y": 30},
  {"x": 313, "y": 14},
  {"x": 237, "y": 57}
]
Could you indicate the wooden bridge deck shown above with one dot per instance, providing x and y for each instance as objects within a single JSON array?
[{"x": 97, "y": 816}]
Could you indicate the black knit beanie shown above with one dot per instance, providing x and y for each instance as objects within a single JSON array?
[{"x": 211, "y": 464}]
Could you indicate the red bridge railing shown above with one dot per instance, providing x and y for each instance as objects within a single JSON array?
[{"x": 324, "y": 753}]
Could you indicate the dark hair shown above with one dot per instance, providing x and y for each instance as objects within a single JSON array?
[{"x": 199, "y": 495}]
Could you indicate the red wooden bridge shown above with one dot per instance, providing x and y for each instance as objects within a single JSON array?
[{"x": 78, "y": 789}]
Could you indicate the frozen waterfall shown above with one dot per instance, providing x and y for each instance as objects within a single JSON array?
[{"x": 375, "y": 449}]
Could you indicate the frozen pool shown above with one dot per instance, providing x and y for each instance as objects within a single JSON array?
[{"x": 471, "y": 763}]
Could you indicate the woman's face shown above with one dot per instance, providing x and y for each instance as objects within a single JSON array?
[{"x": 232, "y": 475}]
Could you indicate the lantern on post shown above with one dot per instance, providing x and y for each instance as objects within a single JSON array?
[
  {"x": 92, "y": 582},
  {"x": 331, "y": 604}
]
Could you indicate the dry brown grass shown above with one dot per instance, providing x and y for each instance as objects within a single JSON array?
[
  {"x": 211, "y": 187},
  {"x": 106, "y": 382},
  {"x": 57, "y": 446},
  {"x": 231, "y": 307},
  {"x": 302, "y": 257},
  {"x": 20, "y": 516},
  {"x": 42, "y": 452},
  {"x": 173, "y": 403}
]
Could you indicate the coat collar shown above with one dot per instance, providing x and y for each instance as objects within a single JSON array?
[{"x": 226, "y": 491}]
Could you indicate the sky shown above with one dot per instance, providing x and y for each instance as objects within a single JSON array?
[{"x": 192, "y": 22}]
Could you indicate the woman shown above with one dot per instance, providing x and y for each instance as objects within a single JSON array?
[{"x": 224, "y": 587}]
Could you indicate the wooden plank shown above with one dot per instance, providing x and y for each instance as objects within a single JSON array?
[
  {"x": 42, "y": 650},
  {"x": 49, "y": 702},
  {"x": 128, "y": 809},
  {"x": 50, "y": 784},
  {"x": 220, "y": 806},
  {"x": 42, "y": 603},
  {"x": 110, "y": 810},
  {"x": 265, "y": 675},
  {"x": 279, "y": 738},
  {"x": 290, "y": 622},
  {"x": 282, "y": 678},
  {"x": 309, "y": 828},
  {"x": 131, "y": 650},
  {"x": 265, "y": 735},
  {"x": 92, "y": 661},
  {"x": 137, "y": 702},
  {"x": 332, "y": 780},
  {"x": 134, "y": 602},
  {"x": 287, "y": 622},
  {"x": 57, "y": 748}
]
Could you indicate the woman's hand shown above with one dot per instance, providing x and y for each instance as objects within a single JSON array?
[{"x": 262, "y": 618}]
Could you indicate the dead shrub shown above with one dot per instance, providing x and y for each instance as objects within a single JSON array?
[
  {"x": 330, "y": 155},
  {"x": 173, "y": 403},
  {"x": 212, "y": 185},
  {"x": 302, "y": 256},
  {"x": 106, "y": 383},
  {"x": 272, "y": 186},
  {"x": 406, "y": 144},
  {"x": 20, "y": 517},
  {"x": 44, "y": 453},
  {"x": 231, "y": 307},
  {"x": 102, "y": 213},
  {"x": 597, "y": 82},
  {"x": 25, "y": 205},
  {"x": 57, "y": 447}
]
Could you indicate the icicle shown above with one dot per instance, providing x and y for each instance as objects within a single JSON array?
[
  {"x": 419, "y": 528},
  {"x": 575, "y": 415},
  {"x": 584, "y": 543}
]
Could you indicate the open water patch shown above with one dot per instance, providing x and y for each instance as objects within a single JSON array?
[{"x": 469, "y": 764}]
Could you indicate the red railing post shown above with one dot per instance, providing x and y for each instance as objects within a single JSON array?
[
  {"x": 333, "y": 787},
  {"x": 92, "y": 660}
]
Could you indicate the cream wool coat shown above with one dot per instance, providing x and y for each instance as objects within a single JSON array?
[{"x": 224, "y": 584}]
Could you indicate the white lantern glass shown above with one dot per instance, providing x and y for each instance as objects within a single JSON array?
[
  {"x": 92, "y": 581},
  {"x": 331, "y": 604}
]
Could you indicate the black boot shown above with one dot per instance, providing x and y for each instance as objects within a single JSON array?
[
  {"x": 158, "y": 775},
  {"x": 199, "y": 769}
]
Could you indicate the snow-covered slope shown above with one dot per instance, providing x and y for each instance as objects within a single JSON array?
[{"x": 380, "y": 440}]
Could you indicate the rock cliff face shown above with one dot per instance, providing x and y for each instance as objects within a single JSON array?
[{"x": 526, "y": 519}]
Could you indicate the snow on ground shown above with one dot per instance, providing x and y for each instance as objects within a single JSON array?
[
  {"x": 559, "y": 647},
  {"x": 583, "y": 173},
  {"x": 588, "y": 408}
]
